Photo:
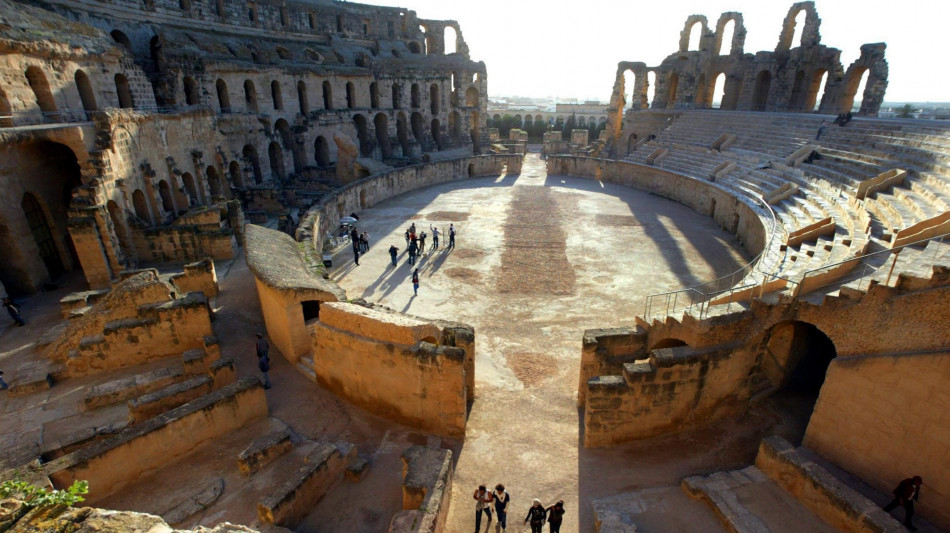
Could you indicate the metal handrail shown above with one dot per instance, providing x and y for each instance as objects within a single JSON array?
[
  {"x": 866, "y": 258},
  {"x": 742, "y": 272}
]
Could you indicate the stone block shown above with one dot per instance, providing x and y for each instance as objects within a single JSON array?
[
  {"x": 264, "y": 450},
  {"x": 295, "y": 498},
  {"x": 168, "y": 398}
]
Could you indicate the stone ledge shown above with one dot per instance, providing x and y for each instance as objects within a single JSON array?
[
  {"x": 427, "y": 483},
  {"x": 169, "y": 397},
  {"x": 264, "y": 450},
  {"x": 289, "y": 503},
  {"x": 120, "y": 390}
]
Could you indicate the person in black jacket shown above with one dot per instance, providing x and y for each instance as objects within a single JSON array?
[
  {"x": 536, "y": 515},
  {"x": 556, "y": 516},
  {"x": 906, "y": 493}
]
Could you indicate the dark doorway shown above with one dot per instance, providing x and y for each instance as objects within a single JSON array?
[
  {"x": 39, "y": 227},
  {"x": 311, "y": 310}
]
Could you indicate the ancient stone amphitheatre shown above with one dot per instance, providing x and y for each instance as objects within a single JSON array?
[{"x": 724, "y": 314}]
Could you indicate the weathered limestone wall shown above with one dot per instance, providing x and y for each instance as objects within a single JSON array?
[
  {"x": 885, "y": 418},
  {"x": 284, "y": 281},
  {"x": 729, "y": 357},
  {"x": 325, "y": 216},
  {"x": 109, "y": 465},
  {"x": 400, "y": 367},
  {"x": 197, "y": 277},
  {"x": 427, "y": 484}
]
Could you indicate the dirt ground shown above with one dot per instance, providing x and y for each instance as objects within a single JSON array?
[{"x": 538, "y": 259}]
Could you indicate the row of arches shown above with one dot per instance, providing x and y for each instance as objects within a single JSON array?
[
  {"x": 528, "y": 119},
  {"x": 39, "y": 85}
]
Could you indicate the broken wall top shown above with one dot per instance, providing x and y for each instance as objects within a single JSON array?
[{"x": 275, "y": 259}]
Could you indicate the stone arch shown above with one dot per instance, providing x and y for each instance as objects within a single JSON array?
[
  {"x": 797, "y": 355},
  {"x": 628, "y": 87},
  {"x": 191, "y": 188},
  {"x": 686, "y": 36},
  {"x": 122, "y": 39},
  {"x": 303, "y": 103},
  {"x": 434, "y": 98},
  {"x": 471, "y": 97},
  {"x": 350, "y": 95},
  {"x": 455, "y": 128},
  {"x": 42, "y": 230},
  {"x": 374, "y": 95},
  {"x": 224, "y": 100},
  {"x": 852, "y": 83},
  {"x": 362, "y": 134},
  {"x": 123, "y": 92},
  {"x": 450, "y": 38},
  {"x": 418, "y": 129},
  {"x": 816, "y": 86},
  {"x": 276, "y": 156},
  {"x": 327, "y": 96},
  {"x": 402, "y": 133},
  {"x": 140, "y": 206},
  {"x": 215, "y": 186},
  {"x": 415, "y": 47},
  {"x": 397, "y": 96},
  {"x": 809, "y": 32},
  {"x": 250, "y": 157},
  {"x": 414, "y": 96},
  {"x": 668, "y": 342},
  {"x": 41, "y": 91},
  {"x": 381, "y": 123},
  {"x": 321, "y": 151},
  {"x": 192, "y": 96},
  {"x": 276, "y": 96},
  {"x": 672, "y": 86},
  {"x": 120, "y": 227},
  {"x": 86, "y": 93},
  {"x": 437, "y": 133},
  {"x": 165, "y": 193},
  {"x": 760, "y": 93},
  {"x": 717, "y": 91},
  {"x": 237, "y": 177},
  {"x": 631, "y": 142},
  {"x": 250, "y": 96},
  {"x": 650, "y": 88},
  {"x": 730, "y": 34}
]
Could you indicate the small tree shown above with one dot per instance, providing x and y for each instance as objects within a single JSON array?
[{"x": 906, "y": 111}]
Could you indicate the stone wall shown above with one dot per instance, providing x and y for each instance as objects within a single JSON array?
[
  {"x": 427, "y": 484},
  {"x": 397, "y": 366},
  {"x": 885, "y": 418},
  {"x": 325, "y": 216}
]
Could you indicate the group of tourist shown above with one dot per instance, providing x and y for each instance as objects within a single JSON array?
[
  {"x": 360, "y": 243},
  {"x": 500, "y": 500}
]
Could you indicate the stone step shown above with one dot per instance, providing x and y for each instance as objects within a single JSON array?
[{"x": 305, "y": 366}]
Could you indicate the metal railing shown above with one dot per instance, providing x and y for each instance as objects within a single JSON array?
[
  {"x": 869, "y": 264},
  {"x": 695, "y": 299}
]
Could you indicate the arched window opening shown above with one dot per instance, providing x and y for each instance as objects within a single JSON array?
[
  {"x": 425, "y": 39},
  {"x": 86, "y": 94},
  {"x": 374, "y": 95},
  {"x": 191, "y": 188},
  {"x": 381, "y": 123},
  {"x": 41, "y": 90},
  {"x": 471, "y": 97},
  {"x": 140, "y": 206},
  {"x": 350, "y": 95},
  {"x": 726, "y": 36},
  {"x": 276, "y": 96},
  {"x": 250, "y": 96},
  {"x": 418, "y": 128},
  {"x": 302, "y": 102},
  {"x": 327, "y": 96},
  {"x": 120, "y": 226},
  {"x": 719, "y": 91},
  {"x": 437, "y": 133},
  {"x": 191, "y": 91},
  {"x": 451, "y": 40},
  {"x": 455, "y": 128},
  {"x": 224, "y": 100},
  {"x": 854, "y": 91},
  {"x": 362, "y": 134},
  {"x": 42, "y": 235},
  {"x": 414, "y": 48},
  {"x": 629, "y": 88},
  {"x": 165, "y": 192},
  {"x": 122, "y": 39},
  {"x": 651, "y": 87},
  {"x": 760, "y": 95},
  {"x": 397, "y": 101},
  {"x": 237, "y": 177},
  {"x": 276, "y": 161},
  {"x": 250, "y": 158},
  {"x": 818, "y": 80},
  {"x": 123, "y": 92},
  {"x": 414, "y": 96},
  {"x": 631, "y": 143},
  {"x": 799, "y": 29},
  {"x": 695, "y": 33},
  {"x": 434, "y": 98},
  {"x": 214, "y": 182},
  {"x": 402, "y": 133},
  {"x": 321, "y": 152}
]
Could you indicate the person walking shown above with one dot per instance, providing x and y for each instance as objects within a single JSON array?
[
  {"x": 556, "y": 516},
  {"x": 451, "y": 235},
  {"x": 14, "y": 310},
  {"x": 435, "y": 236},
  {"x": 483, "y": 499},
  {"x": 364, "y": 242},
  {"x": 413, "y": 248},
  {"x": 501, "y": 498},
  {"x": 393, "y": 252},
  {"x": 356, "y": 252},
  {"x": 422, "y": 243},
  {"x": 536, "y": 515},
  {"x": 906, "y": 493},
  {"x": 415, "y": 291},
  {"x": 263, "y": 360},
  {"x": 3, "y": 384}
]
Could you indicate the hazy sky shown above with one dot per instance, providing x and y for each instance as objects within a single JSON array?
[{"x": 571, "y": 48}]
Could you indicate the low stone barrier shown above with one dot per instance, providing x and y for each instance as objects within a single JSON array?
[
  {"x": 263, "y": 451},
  {"x": 427, "y": 484}
]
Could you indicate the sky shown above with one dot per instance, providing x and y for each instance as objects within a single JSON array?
[{"x": 570, "y": 49}]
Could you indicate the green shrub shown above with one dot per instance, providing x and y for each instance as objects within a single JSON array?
[{"x": 34, "y": 496}]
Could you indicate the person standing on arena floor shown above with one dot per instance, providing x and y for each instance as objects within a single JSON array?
[
  {"x": 483, "y": 499},
  {"x": 556, "y": 516},
  {"x": 263, "y": 361},
  {"x": 413, "y": 248},
  {"x": 422, "y": 242},
  {"x": 435, "y": 237},
  {"x": 536, "y": 515},
  {"x": 451, "y": 235},
  {"x": 393, "y": 252},
  {"x": 14, "y": 310},
  {"x": 501, "y": 498},
  {"x": 407, "y": 238},
  {"x": 415, "y": 291}
]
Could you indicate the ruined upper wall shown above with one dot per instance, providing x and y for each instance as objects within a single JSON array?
[{"x": 787, "y": 79}]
